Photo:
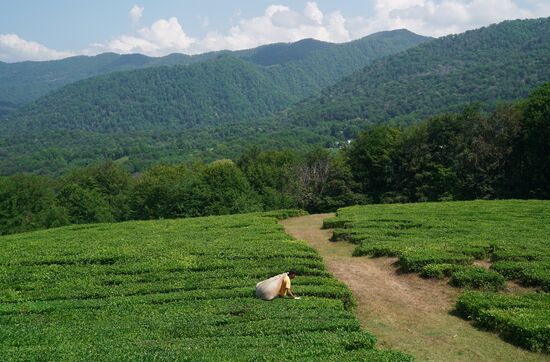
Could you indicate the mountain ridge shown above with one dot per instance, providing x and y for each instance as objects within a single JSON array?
[
  {"x": 23, "y": 82},
  {"x": 190, "y": 94},
  {"x": 501, "y": 62}
]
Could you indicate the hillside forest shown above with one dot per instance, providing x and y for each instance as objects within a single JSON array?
[
  {"x": 451, "y": 156},
  {"x": 309, "y": 94}
]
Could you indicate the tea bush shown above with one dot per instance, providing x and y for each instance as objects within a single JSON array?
[
  {"x": 440, "y": 240},
  {"x": 521, "y": 319},
  {"x": 173, "y": 290}
]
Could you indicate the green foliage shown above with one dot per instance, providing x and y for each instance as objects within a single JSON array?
[
  {"x": 229, "y": 190},
  {"x": 171, "y": 114},
  {"x": 456, "y": 156},
  {"x": 187, "y": 191},
  {"x": 477, "y": 278},
  {"x": 439, "y": 271},
  {"x": 323, "y": 182},
  {"x": 530, "y": 168},
  {"x": 172, "y": 289},
  {"x": 414, "y": 260},
  {"x": 499, "y": 62},
  {"x": 521, "y": 319},
  {"x": 107, "y": 192},
  {"x": 84, "y": 205},
  {"x": 370, "y": 158},
  {"x": 441, "y": 240},
  {"x": 103, "y": 189},
  {"x": 435, "y": 239},
  {"x": 448, "y": 157},
  {"x": 175, "y": 98},
  {"x": 533, "y": 272},
  {"x": 268, "y": 173},
  {"x": 23, "y": 82},
  {"x": 29, "y": 202},
  {"x": 284, "y": 214}
]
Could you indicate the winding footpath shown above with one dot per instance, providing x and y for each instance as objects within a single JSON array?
[{"x": 404, "y": 311}]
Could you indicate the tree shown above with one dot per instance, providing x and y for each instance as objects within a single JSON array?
[
  {"x": 322, "y": 182},
  {"x": 228, "y": 189},
  {"x": 107, "y": 181},
  {"x": 267, "y": 172},
  {"x": 27, "y": 202},
  {"x": 84, "y": 205},
  {"x": 530, "y": 169},
  {"x": 169, "y": 192},
  {"x": 370, "y": 158}
]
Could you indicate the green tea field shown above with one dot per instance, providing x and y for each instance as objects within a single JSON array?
[
  {"x": 172, "y": 290},
  {"x": 478, "y": 245}
]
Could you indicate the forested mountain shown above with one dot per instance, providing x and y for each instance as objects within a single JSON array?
[
  {"x": 213, "y": 92},
  {"x": 227, "y": 89},
  {"x": 499, "y": 62},
  {"x": 463, "y": 156},
  {"x": 280, "y": 53},
  {"x": 23, "y": 82},
  {"x": 172, "y": 113},
  {"x": 215, "y": 109}
]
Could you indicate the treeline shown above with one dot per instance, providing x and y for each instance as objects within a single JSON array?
[
  {"x": 471, "y": 155},
  {"x": 107, "y": 192},
  {"x": 459, "y": 156}
]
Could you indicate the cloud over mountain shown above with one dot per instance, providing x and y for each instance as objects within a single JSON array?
[{"x": 280, "y": 23}]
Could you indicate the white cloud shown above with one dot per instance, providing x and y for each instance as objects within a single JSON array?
[
  {"x": 281, "y": 23},
  {"x": 278, "y": 24},
  {"x": 161, "y": 38},
  {"x": 136, "y": 13},
  {"x": 437, "y": 18},
  {"x": 13, "y": 48},
  {"x": 313, "y": 12}
]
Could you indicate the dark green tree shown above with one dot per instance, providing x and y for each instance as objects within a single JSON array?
[
  {"x": 370, "y": 158},
  {"x": 28, "y": 202},
  {"x": 530, "y": 169},
  {"x": 228, "y": 190},
  {"x": 169, "y": 192}
]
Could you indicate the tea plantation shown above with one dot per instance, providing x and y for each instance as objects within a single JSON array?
[
  {"x": 172, "y": 290},
  {"x": 440, "y": 240}
]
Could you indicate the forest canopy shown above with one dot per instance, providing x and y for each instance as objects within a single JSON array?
[{"x": 452, "y": 156}]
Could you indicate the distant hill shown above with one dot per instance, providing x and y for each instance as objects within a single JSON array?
[
  {"x": 282, "y": 52},
  {"x": 222, "y": 90},
  {"x": 23, "y": 82},
  {"x": 497, "y": 63},
  {"x": 174, "y": 112},
  {"x": 182, "y": 112}
]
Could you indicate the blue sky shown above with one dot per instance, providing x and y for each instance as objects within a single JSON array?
[{"x": 52, "y": 29}]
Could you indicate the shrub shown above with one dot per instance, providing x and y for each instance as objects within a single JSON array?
[
  {"x": 477, "y": 278},
  {"x": 438, "y": 271},
  {"x": 416, "y": 260},
  {"x": 522, "y": 319}
]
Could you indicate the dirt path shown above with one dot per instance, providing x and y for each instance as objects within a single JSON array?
[{"x": 404, "y": 311}]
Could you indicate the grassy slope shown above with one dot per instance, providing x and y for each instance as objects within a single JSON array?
[
  {"x": 512, "y": 234},
  {"x": 171, "y": 289}
]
